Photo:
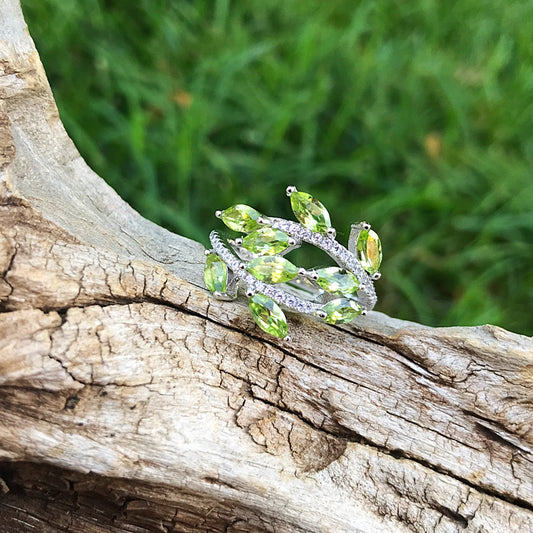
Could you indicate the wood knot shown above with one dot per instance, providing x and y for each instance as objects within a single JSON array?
[
  {"x": 282, "y": 433},
  {"x": 71, "y": 402}
]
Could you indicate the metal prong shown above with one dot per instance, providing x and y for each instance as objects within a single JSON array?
[
  {"x": 321, "y": 314},
  {"x": 208, "y": 252},
  {"x": 262, "y": 220},
  {"x": 290, "y": 189},
  {"x": 218, "y": 213},
  {"x": 291, "y": 242},
  {"x": 365, "y": 225},
  {"x": 287, "y": 338},
  {"x": 238, "y": 241},
  {"x": 250, "y": 293},
  {"x": 331, "y": 232},
  {"x": 364, "y": 312},
  {"x": 376, "y": 276},
  {"x": 314, "y": 275},
  {"x": 242, "y": 266},
  {"x": 301, "y": 271},
  {"x": 218, "y": 294},
  {"x": 362, "y": 287}
]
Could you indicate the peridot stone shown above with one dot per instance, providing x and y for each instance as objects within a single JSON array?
[
  {"x": 341, "y": 310},
  {"x": 215, "y": 274},
  {"x": 266, "y": 241},
  {"x": 335, "y": 280},
  {"x": 369, "y": 251},
  {"x": 268, "y": 315},
  {"x": 272, "y": 269},
  {"x": 241, "y": 217},
  {"x": 310, "y": 212}
]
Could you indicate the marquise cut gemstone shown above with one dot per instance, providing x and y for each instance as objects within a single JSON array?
[
  {"x": 241, "y": 217},
  {"x": 268, "y": 315},
  {"x": 215, "y": 274},
  {"x": 336, "y": 280},
  {"x": 310, "y": 212},
  {"x": 266, "y": 241},
  {"x": 341, "y": 310},
  {"x": 369, "y": 251},
  {"x": 272, "y": 269}
]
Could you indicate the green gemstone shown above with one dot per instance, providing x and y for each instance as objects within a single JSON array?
[
  {"x": 266, "y": 241},
  {"x": 341, "y": 310},
  {"x": 369, "y": 251},
  {"x": 241, "y": 218},
  {"x": 337, "y": 281},
  {"x": 272, "y": 269},
  {"x": 310, "y": 212},
  {"x": 268, "y": 315},
  {"x": 215, "y": 274}
]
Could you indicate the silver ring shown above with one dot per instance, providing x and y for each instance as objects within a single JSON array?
[{"x": 255, "y": 262}]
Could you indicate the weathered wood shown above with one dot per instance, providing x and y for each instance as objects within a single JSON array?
[{"x": 130, "y": 400}]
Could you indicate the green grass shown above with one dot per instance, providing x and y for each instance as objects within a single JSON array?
[{"x": 415, "y": 116}]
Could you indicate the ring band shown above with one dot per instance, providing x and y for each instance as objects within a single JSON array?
[{"x": 255, "y": 262}]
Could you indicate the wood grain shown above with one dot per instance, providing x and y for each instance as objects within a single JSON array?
[{"x": 130, "y": 400}]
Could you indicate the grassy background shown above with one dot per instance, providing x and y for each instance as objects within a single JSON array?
[{"x": 415, "y": 116}]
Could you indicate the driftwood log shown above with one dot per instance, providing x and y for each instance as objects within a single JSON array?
[{"x": 130, "y": 400}]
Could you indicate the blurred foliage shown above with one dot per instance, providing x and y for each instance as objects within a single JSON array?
[{"x": 415, "y": 116}]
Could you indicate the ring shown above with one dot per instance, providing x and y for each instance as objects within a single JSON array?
[{"x": 255, "y": 262}]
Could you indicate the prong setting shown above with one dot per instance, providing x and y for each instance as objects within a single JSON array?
[
  {"x": 218, "y": 213},
  {"x": 238, "y": 241},
  {"x": 376, "y": 276},
  {"x": 290, "y": 189},
  {"x": 365, "y": 225}
]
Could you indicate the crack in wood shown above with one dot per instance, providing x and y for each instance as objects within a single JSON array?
[{"x": 373, "y": 416}]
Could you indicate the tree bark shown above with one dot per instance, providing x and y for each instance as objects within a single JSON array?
[{"x": 130, "y": 400}]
